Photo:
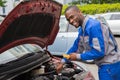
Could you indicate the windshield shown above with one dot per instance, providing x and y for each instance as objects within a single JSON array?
[
  {"x": 17, "y": 52},
  {"x": 63, "y": 24}
]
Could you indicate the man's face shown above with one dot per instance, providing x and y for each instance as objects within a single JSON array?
[{"x": 74, "y": 18}]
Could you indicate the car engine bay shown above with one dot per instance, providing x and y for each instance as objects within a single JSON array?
[{"x": 47, "y": 71}]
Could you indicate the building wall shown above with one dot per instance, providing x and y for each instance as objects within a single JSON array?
[
  {"x": 60, "y": 1},
  {"x": 10, "y": 4},
  {"x": 64, "y": 1}
]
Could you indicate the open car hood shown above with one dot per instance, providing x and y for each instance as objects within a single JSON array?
[{"x": 33, "y": 21}]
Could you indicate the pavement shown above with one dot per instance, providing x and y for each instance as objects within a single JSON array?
[{"x": 94, "y": 70}]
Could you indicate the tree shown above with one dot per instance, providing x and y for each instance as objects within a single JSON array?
[
  {"x": 2, "y": 3},
  {"x": 74, "y": 2},
  {"x": 105, "y": 1}
]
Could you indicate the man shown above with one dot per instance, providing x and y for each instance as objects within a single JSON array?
[{"x": 94, "y": 42}]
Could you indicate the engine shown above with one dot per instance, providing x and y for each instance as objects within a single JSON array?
[{"x": 47, "y": 71}]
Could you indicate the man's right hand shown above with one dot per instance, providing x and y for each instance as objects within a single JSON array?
[{"x": 59, "y": 67}]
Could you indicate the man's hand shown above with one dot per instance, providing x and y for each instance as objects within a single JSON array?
[
  {"x": 73, "y": 56},
  {"x": 59, "y": 67}
]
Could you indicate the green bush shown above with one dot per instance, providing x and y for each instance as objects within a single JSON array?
[
  {"x": 96, "y": 8},
  {"x": 2, "y": 3}
]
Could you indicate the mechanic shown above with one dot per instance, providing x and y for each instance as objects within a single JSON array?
[{"x": 94, "y": 42}]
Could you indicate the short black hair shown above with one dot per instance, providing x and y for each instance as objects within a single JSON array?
[{"x": 72, "y": 7}]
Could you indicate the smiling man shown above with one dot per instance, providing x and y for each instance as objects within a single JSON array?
[
  {"x": 94, "y": 42},
  {"x": 74, "y": 16}
]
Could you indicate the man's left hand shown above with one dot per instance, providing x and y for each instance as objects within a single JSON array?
[{"x": 73, "y": 56}]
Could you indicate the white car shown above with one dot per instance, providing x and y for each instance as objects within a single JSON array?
[
  {"x": 65, "y": 38},
  {"x": 113, "y": 20}
]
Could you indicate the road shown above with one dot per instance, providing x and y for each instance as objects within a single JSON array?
[{"x": 93, "y": 68}]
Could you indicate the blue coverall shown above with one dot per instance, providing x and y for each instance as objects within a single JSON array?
[{"x": 96, "y": 42}]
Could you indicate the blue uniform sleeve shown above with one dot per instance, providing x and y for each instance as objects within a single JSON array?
[
  {"x": 96, "y": 43},
  {"x": 74, "y": 47},
  {"x": 75, "y": 44}
]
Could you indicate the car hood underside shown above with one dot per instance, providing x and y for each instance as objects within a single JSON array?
[{"x": 34, "y": 21}]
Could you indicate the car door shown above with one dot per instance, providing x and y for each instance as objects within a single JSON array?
[
  {"x": 72, "y": 34},
  {"x": 60, "y": 44},
  {"x": 114, "y": 23}
]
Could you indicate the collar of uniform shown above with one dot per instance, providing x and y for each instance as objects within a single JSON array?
[{"x": 84, "y": 22}]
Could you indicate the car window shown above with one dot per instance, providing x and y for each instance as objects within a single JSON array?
[
  {"x": 63, "y": 24},
  {"x": 107, "y": 16},
  {"x": 17, "y": 52},
  {"x": 102, "y": 19},
  {"x": 115, "y": 17}
]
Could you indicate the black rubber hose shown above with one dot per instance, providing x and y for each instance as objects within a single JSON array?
[{"x": 48, "y": 73}]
